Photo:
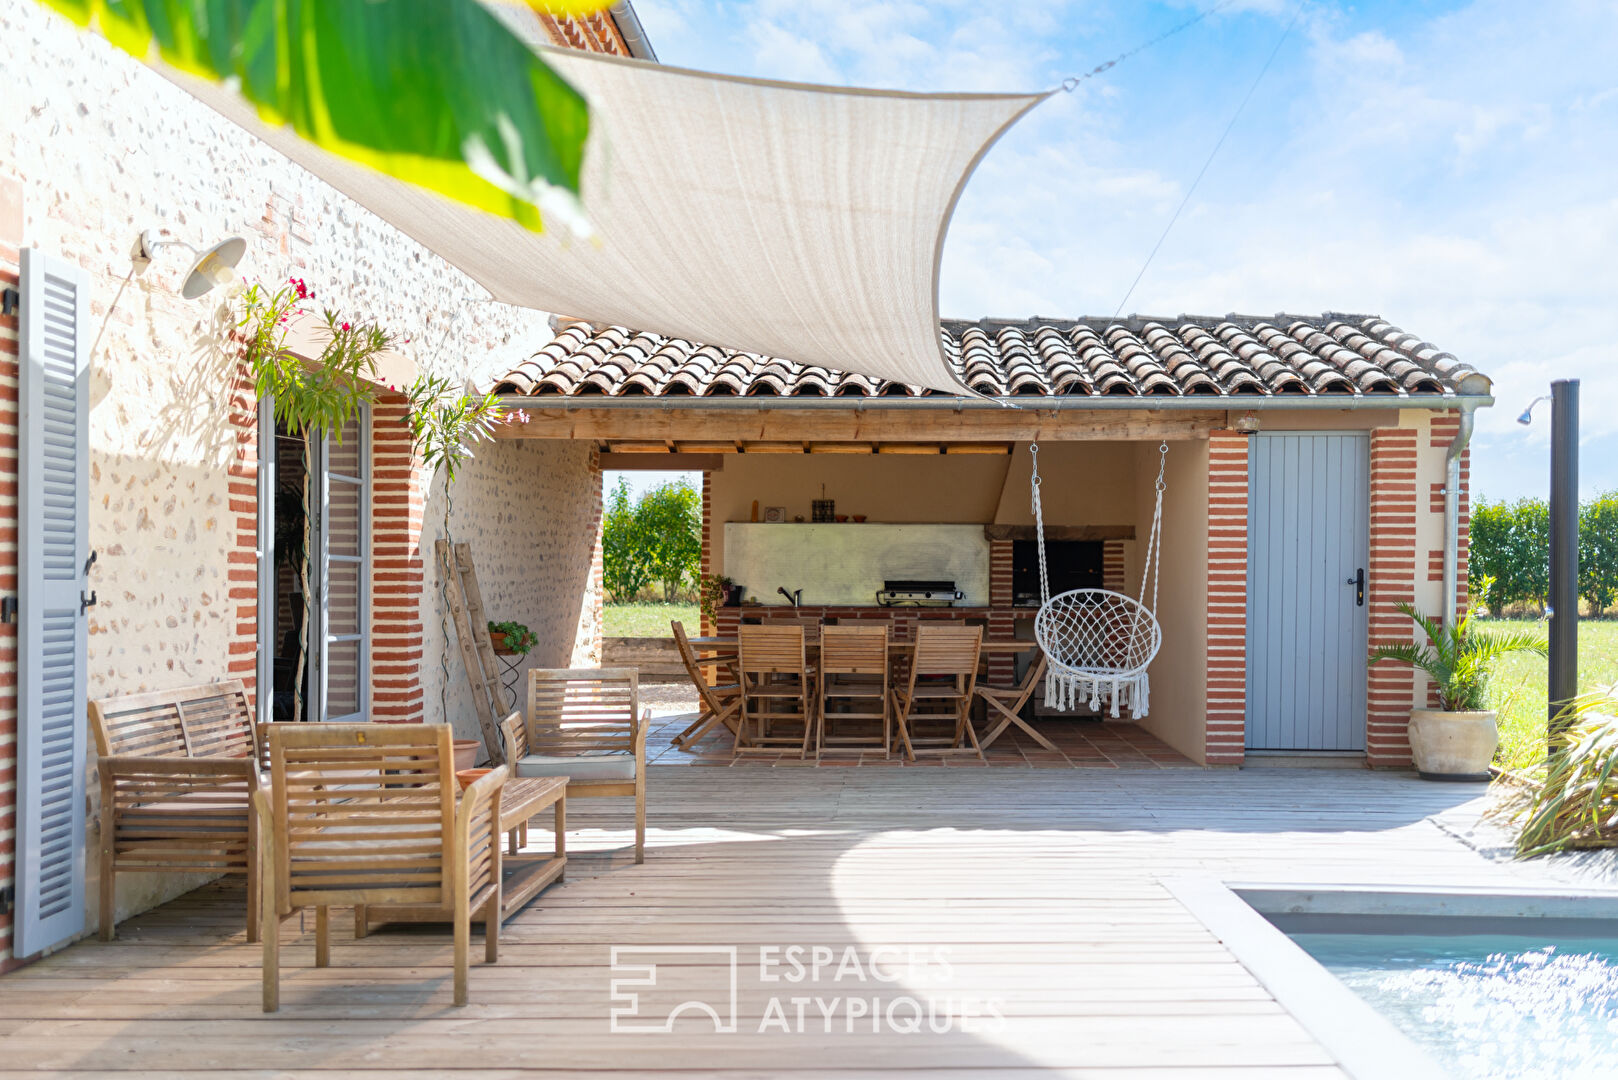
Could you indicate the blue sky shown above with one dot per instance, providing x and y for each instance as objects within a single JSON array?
[{"x": 1450, "y": 166}]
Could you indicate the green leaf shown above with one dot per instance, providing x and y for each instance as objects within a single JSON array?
[{"x": 441, "y": 95}]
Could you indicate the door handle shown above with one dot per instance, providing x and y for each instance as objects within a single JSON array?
[{"x": 1358, "y": 581}]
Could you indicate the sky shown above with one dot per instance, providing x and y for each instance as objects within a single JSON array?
[{"x": 1452, "y": 167}]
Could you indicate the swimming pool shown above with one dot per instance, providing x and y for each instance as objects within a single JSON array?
[
  {"x": 1487, "y": 1005},
  {"x": 1471, "y": 984}
]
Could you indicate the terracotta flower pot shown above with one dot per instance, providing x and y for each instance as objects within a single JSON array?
[
  {"x": 1453, "y": 745},
  {"x": 468, "y": 777},
  {"x": 466, "y": 753}
]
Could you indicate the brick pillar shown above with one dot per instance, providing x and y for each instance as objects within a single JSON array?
[
  {"x": 598, "y": 564},
  {"x": 707, "y": 625},
  {"x": 1002, "y": 667},
  {"x": 398, "y": 565},
  {"x": 9, "y": 349},
  {"x": 243, "y": 571},
  {"x": 1390, "y": 688},
  {"x": 1112, "y": 566},
  {"x": 1444, "y": 427},
  {"x": 1226, "y": 730}
]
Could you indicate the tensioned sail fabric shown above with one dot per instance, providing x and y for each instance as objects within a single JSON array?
[{"x": 796, "y": 221}]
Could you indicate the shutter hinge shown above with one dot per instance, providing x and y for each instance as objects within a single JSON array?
[
  {"x": 8, "y": 609},
  {"x": 86, "y": 602},
  {"x": 10, "y": 301}
]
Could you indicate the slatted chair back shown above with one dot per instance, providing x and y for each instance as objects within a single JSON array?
[
  {"x": 582, "y": 710},
  {"x": 693, "y": 668},
  {"x": 811, "y": 625},
  {"x": 365, "y": 814},
  {"x": 946, "y": 650},
  {"x": 854, "y": 650},
  {"x": 213, "y": 720},
  {"x": 778, "y": 649}
]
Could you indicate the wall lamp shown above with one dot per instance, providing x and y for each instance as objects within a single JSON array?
[{"x": 211, "y": 266}]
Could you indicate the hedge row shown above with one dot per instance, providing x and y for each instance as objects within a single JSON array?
[{"x": 1511, "y": 544}]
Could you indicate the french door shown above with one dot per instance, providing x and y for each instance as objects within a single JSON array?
[{"x": 331, "y": 552}]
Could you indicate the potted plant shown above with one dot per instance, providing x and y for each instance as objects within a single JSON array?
[
  {"x": 511, "y": 638},
  {"x": 1456, "y": 741},
  {"x": 714, "y": 591}
]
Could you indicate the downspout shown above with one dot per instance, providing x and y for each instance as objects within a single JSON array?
[{"x": 1452, "y": 510}]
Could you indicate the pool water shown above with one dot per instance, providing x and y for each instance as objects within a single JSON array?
[{"x": 1489, "y": 1005}]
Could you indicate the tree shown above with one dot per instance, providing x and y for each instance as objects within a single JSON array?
[
  {"x": 625, "y": 567},
  {"x": 442, "y": 95},
  {"x": 669, "y": 525},
  {"x": 1531, "y": 550},
  {"x": 1598, "y": 552},
  {"x": 1489, "y": 554}
]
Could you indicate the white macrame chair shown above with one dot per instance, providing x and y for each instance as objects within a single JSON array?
[{"x": 1099, "y": 643}]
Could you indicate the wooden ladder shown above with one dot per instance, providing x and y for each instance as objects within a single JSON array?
[{"x": 477, "y": 650}]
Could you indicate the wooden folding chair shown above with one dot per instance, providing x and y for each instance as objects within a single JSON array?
[
  {"x": 359, "y": 815},
  {"x": 776, "y": 689},
  {"x": 943, "y": 674},
  {"x": 1008, "y": 702},
  {"x": 585, "y": 724},
  {"x": 717, "y": 704},
  {"x": 853, "y": 674}
]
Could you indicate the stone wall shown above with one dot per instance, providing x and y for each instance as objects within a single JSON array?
[{"x": 95, "y": 148}]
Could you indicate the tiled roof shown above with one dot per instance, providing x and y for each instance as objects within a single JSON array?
[{"x": 1234, "y": 355}]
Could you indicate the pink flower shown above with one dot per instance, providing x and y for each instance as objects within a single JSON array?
[{"x": 345, "y": 327}]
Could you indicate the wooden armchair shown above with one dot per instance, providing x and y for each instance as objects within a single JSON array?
[
  {"x": 718, "y": 704},
  {"x": 178, "y": 771},
  {"x": 585, "y": 724},
  {"x": 369, "y": 815},
  {"x": 943, "y": 674}
]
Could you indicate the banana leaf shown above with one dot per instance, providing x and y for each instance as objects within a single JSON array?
[{"x": 440, "y": 94}]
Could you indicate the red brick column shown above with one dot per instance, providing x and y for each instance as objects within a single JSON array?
[
  {"x": 9, "y": 349},
  {"x": 1112, "y": 566},
  {"x": 1444, "y": 427},
  {"x": 707, "y": 538},
  {"x": 1390, "y": 688},
  {"x": 1226, "y": 731},
  {"x": 1002, "y": 667},
  {"x": 242, "y": 574},
  {"x": 398, "y": 566}
]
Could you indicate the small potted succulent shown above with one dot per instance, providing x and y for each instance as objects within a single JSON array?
[
  {"x": 511, "y": 638},
  {"x": 1457, "y": 740}
]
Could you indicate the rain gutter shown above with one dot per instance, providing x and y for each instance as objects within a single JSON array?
[{"x": 1190, "y": 403}]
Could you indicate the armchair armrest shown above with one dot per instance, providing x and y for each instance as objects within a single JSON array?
[
  {"x": 477, "y": 832},
  {"x": 641, "y": 727}
]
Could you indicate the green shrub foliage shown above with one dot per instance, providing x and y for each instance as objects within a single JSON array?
[
  {"x": 1511, "y": 543},
  {"x": 654, "y": 539}
]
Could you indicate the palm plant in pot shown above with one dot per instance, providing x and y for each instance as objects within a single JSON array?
[{"x": 1457, "y": 740}]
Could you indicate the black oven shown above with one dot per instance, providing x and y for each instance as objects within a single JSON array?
[{"x": 1072, "y": 564}]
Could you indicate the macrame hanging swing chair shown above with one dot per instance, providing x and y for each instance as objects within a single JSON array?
[{"x": 1099, "y": 643}]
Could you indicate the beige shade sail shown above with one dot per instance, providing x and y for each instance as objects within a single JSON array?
[{"x": 796, "y": 221}]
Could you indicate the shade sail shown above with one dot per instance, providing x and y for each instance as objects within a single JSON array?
[{"x": 795, "y": 221}]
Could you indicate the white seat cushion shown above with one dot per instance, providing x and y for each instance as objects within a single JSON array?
[{"x": 579, "y": 767}]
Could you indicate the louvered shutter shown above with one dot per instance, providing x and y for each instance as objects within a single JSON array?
[{"x": 52, "y": 546}]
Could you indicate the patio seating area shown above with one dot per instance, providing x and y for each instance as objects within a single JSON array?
[{"x": 1046, "y": 891}]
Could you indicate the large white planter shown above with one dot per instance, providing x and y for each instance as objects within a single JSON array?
[{"x": 1453, "y": 745}]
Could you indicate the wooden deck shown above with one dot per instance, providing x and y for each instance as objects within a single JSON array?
[{"x": 1042, "y": 886}]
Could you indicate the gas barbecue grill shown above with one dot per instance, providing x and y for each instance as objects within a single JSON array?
[{"x": 902, "y": 593}]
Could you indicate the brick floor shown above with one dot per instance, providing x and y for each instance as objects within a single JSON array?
[{"x": 1083, "y": 744}]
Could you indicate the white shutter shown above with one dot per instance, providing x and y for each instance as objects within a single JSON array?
[
  {"x": 52, "y": 547},
  {"x": 265, "y": 670}
]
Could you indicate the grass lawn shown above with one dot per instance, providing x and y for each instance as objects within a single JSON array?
[
  {"x": 1518, "y": 687},
  {"x": 647, "y": 620}
]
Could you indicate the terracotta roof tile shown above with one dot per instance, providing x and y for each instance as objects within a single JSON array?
[{"x": 1235, "y": 355}]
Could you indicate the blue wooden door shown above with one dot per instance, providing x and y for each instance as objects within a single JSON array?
[{"x": 1309, "y": 551}]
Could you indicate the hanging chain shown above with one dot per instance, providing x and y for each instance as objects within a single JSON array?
[{"x": 1039, "y": 527}]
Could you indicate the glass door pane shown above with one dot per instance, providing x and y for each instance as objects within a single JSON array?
[{"x": 341, "y": 666}]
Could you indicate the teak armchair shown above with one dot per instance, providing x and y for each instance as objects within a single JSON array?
[
  {"x": 359, "y": 815},
  {"x": 585, "y": 724}
]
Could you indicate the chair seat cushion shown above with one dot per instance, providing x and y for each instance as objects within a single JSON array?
[{"x": 578, "y": 767}]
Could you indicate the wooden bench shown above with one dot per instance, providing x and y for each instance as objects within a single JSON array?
[{"x": 178, "y": 771}]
